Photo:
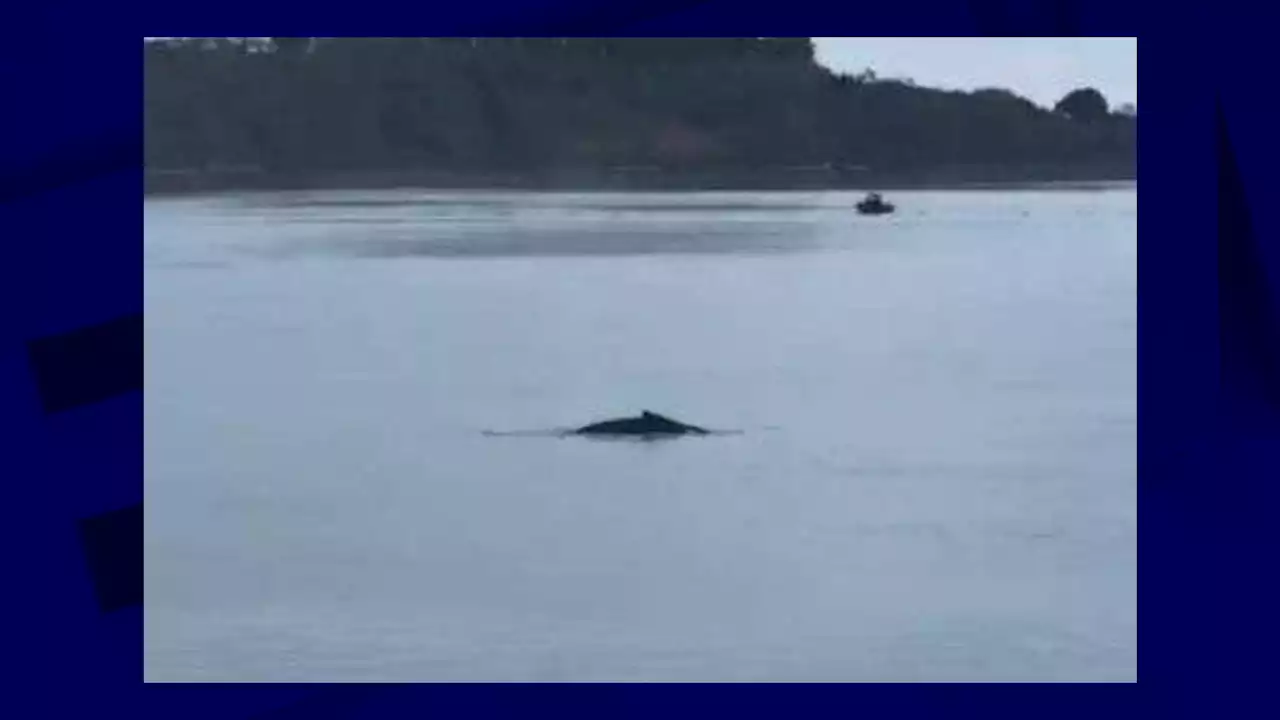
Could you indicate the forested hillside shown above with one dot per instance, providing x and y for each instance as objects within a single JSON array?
[{"x": 582, "y": 111}]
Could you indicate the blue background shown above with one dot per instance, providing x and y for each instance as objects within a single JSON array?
[{"x": 1209, "y": 352}]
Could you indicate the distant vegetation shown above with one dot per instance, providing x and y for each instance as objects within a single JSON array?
[{"x": 589, "y": 111}]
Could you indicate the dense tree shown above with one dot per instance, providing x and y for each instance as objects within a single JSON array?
[
  {"x": 1084, "y": 105},
  {"x": 317, "y": 106}
]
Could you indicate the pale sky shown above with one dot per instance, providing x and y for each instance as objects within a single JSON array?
[{"x": 1040, "y": 69}]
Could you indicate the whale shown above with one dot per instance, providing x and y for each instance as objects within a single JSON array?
[{"x": 645, "y": 424}]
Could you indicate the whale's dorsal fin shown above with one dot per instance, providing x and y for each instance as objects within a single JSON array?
[{"x": 654, "y": 417}]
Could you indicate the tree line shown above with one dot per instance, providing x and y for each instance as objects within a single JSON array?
[{"x": 328, "y": 106}]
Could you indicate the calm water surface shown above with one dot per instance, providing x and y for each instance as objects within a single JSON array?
[{"x": 936, "y": 478}]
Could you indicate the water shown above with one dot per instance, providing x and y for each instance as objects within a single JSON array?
[{"x": 936, "y": 478}]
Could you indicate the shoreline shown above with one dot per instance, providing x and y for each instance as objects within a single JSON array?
[{"x": 188, "y": 183}]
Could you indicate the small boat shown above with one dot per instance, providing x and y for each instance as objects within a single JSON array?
[{"x": 873, "y": 204}]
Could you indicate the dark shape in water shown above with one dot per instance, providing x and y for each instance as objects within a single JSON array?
[
  {"x": 646, "y": 424},
  {"x": 873, "y": 204}
]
